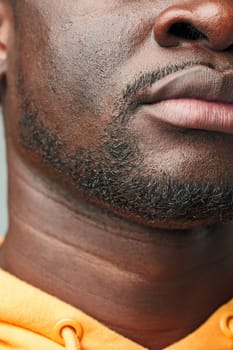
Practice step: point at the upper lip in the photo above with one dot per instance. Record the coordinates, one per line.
(198, 82)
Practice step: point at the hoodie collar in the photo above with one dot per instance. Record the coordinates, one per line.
(32, 319)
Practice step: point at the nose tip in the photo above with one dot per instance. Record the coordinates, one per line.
(208, 22)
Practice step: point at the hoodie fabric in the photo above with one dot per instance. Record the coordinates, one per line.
(33, 320)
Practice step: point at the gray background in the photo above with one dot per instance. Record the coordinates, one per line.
(3, 186)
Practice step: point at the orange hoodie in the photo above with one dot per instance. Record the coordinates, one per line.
(32, 319)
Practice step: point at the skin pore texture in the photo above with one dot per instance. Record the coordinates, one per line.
(122, 215)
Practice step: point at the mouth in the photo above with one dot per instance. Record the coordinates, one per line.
(195, 98)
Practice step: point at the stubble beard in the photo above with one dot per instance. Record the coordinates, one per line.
(114, 175)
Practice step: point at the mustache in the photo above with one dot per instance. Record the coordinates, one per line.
(132, 97)
(131, 94)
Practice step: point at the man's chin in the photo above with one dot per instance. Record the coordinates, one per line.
(162, 203)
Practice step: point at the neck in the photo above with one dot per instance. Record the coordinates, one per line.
(152, 286)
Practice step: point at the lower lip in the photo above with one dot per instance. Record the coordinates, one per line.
(193, 114)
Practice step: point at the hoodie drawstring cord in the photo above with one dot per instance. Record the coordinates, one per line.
(70, 338)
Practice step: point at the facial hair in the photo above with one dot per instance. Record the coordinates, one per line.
(113, 175)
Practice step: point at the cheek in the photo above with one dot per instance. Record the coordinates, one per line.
(64, 87)
(68, 84)
(90, 51)
(74, 62)
(87, 57)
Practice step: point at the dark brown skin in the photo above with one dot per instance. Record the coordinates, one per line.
(152, 275)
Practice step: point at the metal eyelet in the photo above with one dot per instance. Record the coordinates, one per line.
(68, 322)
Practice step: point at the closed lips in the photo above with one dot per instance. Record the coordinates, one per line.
(198, 97)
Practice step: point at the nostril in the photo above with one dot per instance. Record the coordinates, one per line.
(186, 31)
(229, 48)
